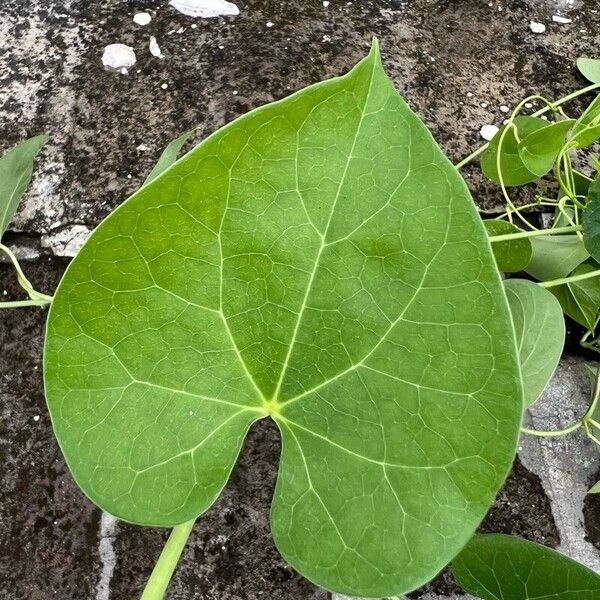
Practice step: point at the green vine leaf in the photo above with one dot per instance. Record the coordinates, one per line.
(503, 567)
(514, 171)
(540, 149)
(511, 256)
(585, 130)
(318, 261)
(589, 68)
(16, 168)
(590, 221)
(555, 256)
(169, 156)
(540, 331)
(581, 299)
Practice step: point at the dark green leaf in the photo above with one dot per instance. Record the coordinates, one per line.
(16, 168)
(588, 120)
(555, 256)
(540, 330)
(514, 172)
(540, 149)
(317, 261)
(591, 221)
(503, 567)
(581, 299)
(511, 256)
(168, 156)
(589, 68)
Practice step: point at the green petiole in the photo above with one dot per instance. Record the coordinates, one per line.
(528, 234)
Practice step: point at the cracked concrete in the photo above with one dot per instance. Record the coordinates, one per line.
(458, 63)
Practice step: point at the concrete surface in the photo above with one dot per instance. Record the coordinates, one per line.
(456, 61)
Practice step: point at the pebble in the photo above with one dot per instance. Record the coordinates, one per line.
(119, 57)
(561, 20)
(537, 27)
(487, 132)
(504, 108)
(142, 18)
(155, 48)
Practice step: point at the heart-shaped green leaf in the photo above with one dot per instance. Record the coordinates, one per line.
(511, 256)
(503, 567)
(540, 330)
(514, 171)
(581, 299)
(540, 149)
(591, 220)
(589, 68)
(555, 256)
(16, 168)
(321, 262)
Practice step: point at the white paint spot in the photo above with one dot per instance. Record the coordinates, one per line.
(270, 24)
(118, 57)
(142, 148)
(326, 38)
(561, 20)
(155, 48)
(487, 132)
(504, 108)
(36, 418)
(537, 27)
(142, 18)
(108, 558)
(326, 3)
(164, 86)
(205, 8)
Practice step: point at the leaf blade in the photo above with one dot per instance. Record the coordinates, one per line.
(168, 156)
(16, 168)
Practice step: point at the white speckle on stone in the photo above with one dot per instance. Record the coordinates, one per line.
(528, 105)
(469, 94)
(270, 24)
(561, 20)
(142, 18)
(487, 132)
(67, 241)
(504, 108)
(118, 57)
(164, 86)
(205, 8)
(537, 27)
(326, 38)
(326, 3)
(155, 48)
(235, 92)
(36, 418)
(142, 148)
(483, 104)
(108, 557)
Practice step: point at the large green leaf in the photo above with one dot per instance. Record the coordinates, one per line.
(513, 170)
(503, 567)
(511, 256)
(321, 262)
(581, 299)
(540, 149)
(540, 330)
(589, 68)
(16, 167)
(591, 220)
(555, 256)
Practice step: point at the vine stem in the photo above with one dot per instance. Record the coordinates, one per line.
(23, 281)
(167, 562)
(22, 303)
(505, 237)
(555, 282)
(554, 432)
(542, 111)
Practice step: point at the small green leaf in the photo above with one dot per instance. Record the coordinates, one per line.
(555, 256)
(581, 299)
(504, 567)
(514, 172)
(595, 489)
(540, 330)
(511, 256)
(590, 220)
(586, 136)
(168, 156)
(318, 261)
(585, 127)
(589, 68)
(539, 149)
(16, 168)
